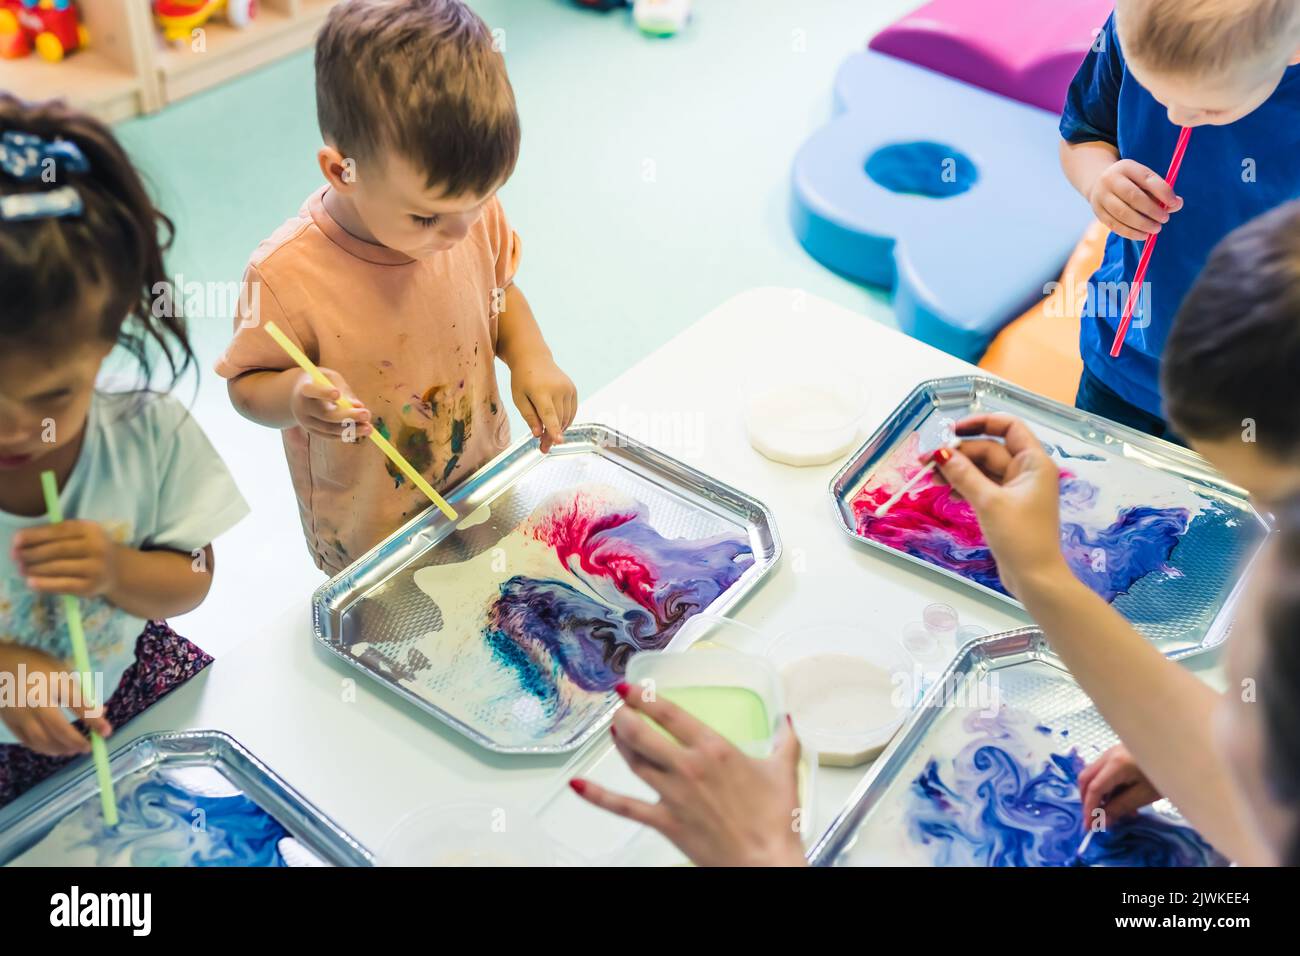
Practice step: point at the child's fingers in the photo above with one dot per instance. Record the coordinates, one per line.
(333, 412)
(79, 569)
(1161, 192)
(56, 550)
(77, 587)
(1107, 780)
(550, 419)
(1091, 770)
(1127, 216)
(99, 725)
(1121, 230)
(1140, 199)
(571, 403)
(321, 393)
(52, 734)
(651, 815)
(1128, 800)
(530, 417)
(48, 534)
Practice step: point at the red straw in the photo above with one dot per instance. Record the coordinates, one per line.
(1139, 277)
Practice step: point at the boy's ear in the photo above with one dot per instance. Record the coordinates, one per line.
(339, 171)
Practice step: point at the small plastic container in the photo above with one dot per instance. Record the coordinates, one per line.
(470, 833)
(847, 689)
(941, 620)
(738, 695)
(811, 417)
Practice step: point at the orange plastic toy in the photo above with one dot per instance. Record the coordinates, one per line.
(1040, 350)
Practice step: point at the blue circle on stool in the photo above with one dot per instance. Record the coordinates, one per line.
(925, 169)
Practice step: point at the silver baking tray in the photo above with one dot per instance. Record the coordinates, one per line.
(1015, 669)
(376, 603)
(1180, 615)
(28, 819)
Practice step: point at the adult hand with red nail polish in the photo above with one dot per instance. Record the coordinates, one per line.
(1015, 488)
(718, 805)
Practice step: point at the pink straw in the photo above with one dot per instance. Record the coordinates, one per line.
(1139, 277)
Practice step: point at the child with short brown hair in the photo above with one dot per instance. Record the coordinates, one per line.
(397, 278)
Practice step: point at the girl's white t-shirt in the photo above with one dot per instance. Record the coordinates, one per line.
(151, 478)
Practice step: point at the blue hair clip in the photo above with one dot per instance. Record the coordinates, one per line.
(27, 158)
(60, 203)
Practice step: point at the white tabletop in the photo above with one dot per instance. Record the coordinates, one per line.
(366, 758)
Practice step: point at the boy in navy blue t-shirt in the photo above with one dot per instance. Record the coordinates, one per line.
(1230, 69)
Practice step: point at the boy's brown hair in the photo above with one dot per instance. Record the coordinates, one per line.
(1193, 37)
(423, 78)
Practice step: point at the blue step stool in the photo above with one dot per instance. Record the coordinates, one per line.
(949, 195)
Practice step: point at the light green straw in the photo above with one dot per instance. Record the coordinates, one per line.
(80, 657)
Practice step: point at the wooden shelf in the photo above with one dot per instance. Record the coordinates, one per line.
(228, 52)
(87, 78)
(130, 69)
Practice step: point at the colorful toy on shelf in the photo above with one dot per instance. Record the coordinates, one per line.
(661, 18)
(51, 27)
(949, 195)
(1026, 50)
(180, 18)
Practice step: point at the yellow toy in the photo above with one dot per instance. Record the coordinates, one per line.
(180, 18)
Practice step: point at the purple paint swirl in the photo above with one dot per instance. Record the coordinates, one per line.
(634, 589)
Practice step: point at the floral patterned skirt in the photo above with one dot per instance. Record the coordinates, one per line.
(163, 661)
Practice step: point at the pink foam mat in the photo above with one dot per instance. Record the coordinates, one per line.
(1027, 50)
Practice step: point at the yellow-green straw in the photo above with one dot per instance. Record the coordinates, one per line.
(81, 659)
(395, 456)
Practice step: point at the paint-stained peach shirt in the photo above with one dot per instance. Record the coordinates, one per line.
(416, 341)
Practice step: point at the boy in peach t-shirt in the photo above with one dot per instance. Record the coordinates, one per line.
(396, 278)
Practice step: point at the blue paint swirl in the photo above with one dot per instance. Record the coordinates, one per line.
(163, 824)
(997, 811)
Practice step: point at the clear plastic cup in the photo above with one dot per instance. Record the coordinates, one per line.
(738, 695)
(847, 689)
(941, 620)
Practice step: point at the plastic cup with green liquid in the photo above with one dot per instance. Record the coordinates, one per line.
(738, 695)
